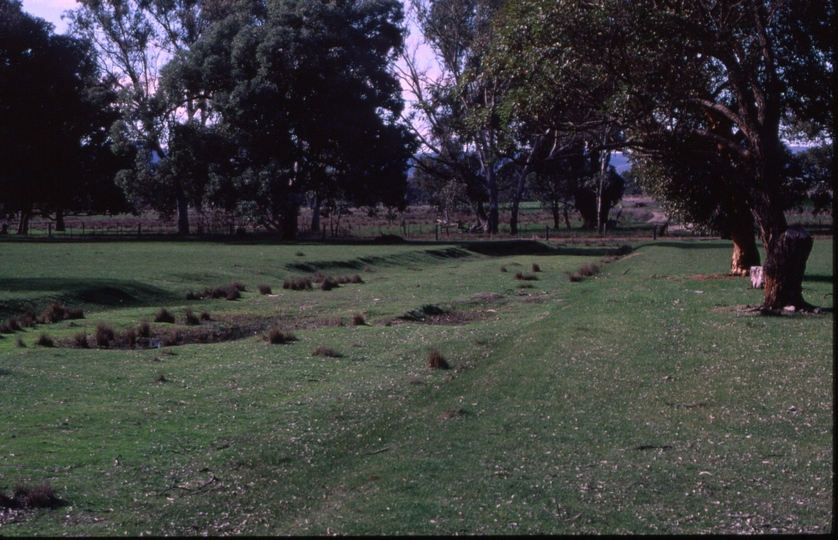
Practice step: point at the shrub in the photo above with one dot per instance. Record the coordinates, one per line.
(326, 351)
(45, 341)
(436, 361)
(358, 320)
(278, 337)
(191, 319)
(144, 329)
(104, 335)
(80, 341)
(163, 316)
(536, 267)
(264, 289)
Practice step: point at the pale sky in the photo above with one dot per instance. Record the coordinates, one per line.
(50, 10)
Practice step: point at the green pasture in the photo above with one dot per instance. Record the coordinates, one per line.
(643, 399)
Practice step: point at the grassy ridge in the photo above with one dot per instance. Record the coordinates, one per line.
(636, 400)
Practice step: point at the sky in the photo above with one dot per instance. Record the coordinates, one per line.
(50, 10)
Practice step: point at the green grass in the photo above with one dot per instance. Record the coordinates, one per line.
(637, 400)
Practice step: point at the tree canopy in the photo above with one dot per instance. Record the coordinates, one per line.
(55, 115)
(728, 75)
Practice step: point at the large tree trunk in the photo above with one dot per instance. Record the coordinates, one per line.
(785, 265)
(315, 215)
(182, 214)
(494, 215)
(60, 226)
(745, 252)
(23, 224)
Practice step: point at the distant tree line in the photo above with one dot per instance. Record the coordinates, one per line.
(258, 107)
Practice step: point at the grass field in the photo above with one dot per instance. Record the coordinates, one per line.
(640, 399)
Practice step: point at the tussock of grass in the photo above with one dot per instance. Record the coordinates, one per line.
(190, 319)
(358, 320)
(144, 330)
(104, 335)
(44, 340)
(326, 351)
(129, 338)
(23, 496)
(278, 337)
(436, 361)
(80, 341)
(525, 277)
(164, 316)
(20, 342)
(264, 289)
(536, 267)
(56, 312)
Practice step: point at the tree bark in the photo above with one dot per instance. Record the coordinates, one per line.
(182, 214)
(494, 215)
(59, 220)
(784, 268)
(23, 224)
(745, 252)
(315, 215)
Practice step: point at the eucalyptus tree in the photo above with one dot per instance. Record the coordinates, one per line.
(456, 103)
(134, 39)
(729, 73)
(55, 112)
(306, 91)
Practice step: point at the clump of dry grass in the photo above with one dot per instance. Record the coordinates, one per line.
(160, 378)
(144, 330)
(205, 316)
(278, 337)
(44, 340)
(129, 338)
(525, 277)
(299, 284)
(326, 351)
(104, 335)
(503, 269)
(328, 284)
(56, 312)
(264, 289)
(238, 285)
(163, 316)
(356, 279)
(42, 496)
(191, 319)
(437, 361)
(536, 267)
(80, 341)
(171, 338)
(584, 271)
(20, 342)
(358, 320)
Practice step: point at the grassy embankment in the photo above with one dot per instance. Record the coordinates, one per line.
(635, 400)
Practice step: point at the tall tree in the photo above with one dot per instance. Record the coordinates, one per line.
(55, 112)
(307, 92)
(134, 40)
(456, 107)
(730, 73)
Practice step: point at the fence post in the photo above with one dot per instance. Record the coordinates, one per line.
(547, 232)
(436, 232)
(49, 226)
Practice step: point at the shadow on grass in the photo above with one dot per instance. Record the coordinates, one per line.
(819, 278)
(109, 293)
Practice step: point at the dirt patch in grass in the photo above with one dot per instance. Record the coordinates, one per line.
(705, 277)
(450, 318)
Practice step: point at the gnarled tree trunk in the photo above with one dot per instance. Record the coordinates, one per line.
(745, 252)
(784, 268)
